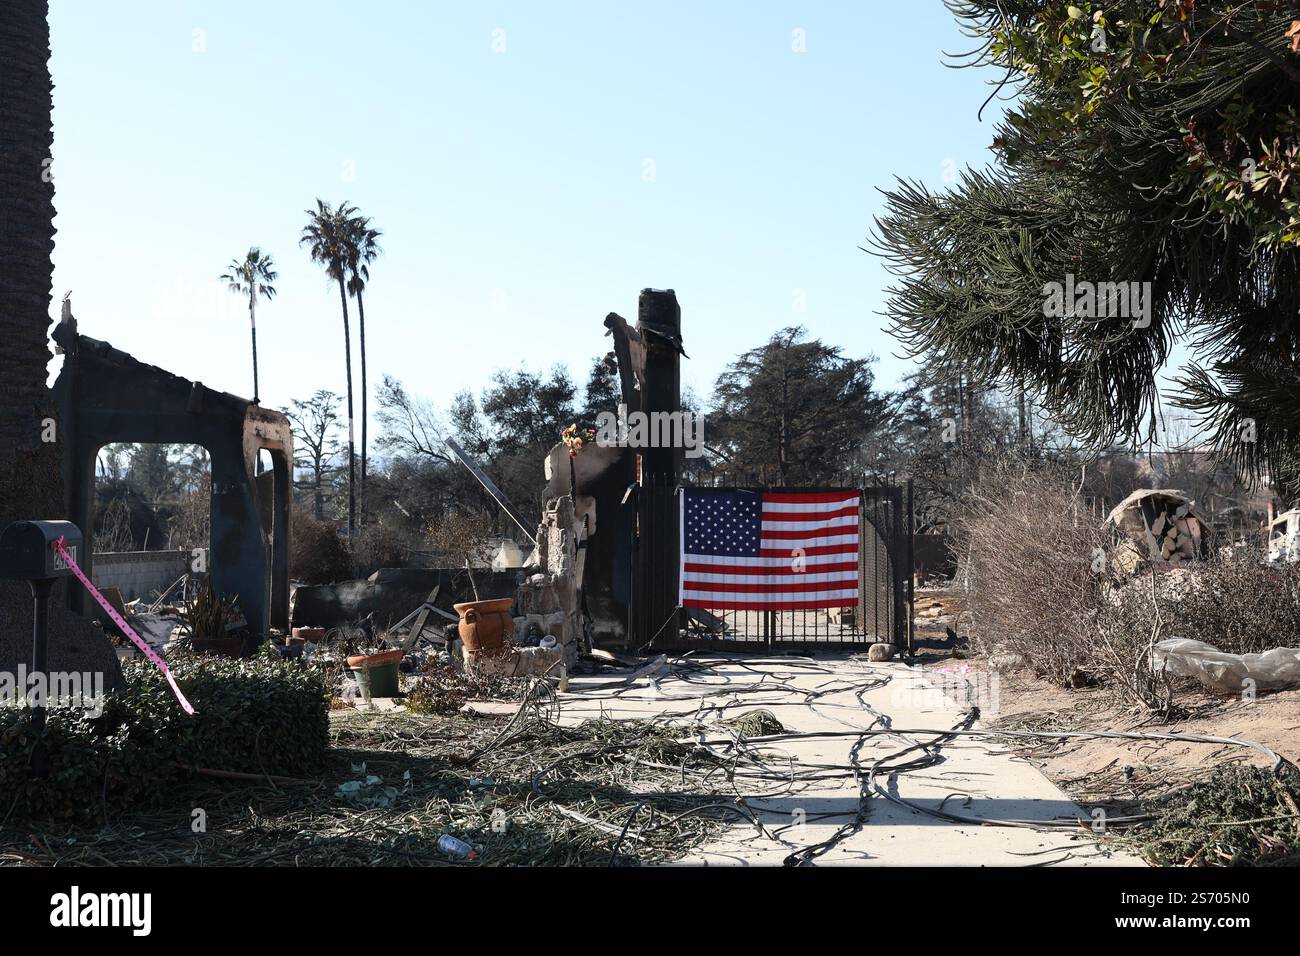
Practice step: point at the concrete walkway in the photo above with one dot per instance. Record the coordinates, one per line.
(976, 777)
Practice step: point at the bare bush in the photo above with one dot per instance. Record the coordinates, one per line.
(1239, 604)
(191, 525)
(114, 533)
(1029, 568)
(1129, 623)
(1036, 567)
(317, 553)
(461, 539)
(382, 545)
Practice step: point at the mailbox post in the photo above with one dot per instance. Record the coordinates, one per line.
(27, 553)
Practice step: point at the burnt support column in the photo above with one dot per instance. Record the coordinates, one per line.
(659, 323)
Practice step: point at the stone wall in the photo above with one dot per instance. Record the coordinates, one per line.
(139, 574)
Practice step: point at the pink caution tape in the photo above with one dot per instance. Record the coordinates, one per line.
(61, 547)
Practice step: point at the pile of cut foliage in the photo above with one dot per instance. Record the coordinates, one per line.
(1238, 816)
(523, 790)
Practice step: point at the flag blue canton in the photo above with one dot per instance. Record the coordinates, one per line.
(726, 523)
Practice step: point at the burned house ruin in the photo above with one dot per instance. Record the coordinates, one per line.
(104, 396)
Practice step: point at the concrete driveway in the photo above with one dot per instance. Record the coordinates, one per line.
(809, 792)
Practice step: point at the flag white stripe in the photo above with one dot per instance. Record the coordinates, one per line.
(845, 521)
(806, 578)
(809, 561)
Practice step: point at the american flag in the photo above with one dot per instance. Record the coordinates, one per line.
(769, 551)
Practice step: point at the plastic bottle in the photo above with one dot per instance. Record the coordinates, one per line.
(456, 848)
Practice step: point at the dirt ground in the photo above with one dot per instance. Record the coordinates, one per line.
(1116, 773)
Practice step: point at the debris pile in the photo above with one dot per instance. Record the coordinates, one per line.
(189, 614)
(1284, 537)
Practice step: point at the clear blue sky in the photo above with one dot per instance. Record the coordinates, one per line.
(510, 185)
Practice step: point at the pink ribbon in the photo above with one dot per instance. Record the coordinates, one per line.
(61, 547)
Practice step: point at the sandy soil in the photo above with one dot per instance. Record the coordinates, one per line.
(1114, 773)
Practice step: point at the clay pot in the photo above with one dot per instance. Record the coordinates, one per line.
(376, 674)
(485, 624)
(359, 661)
(312, 634)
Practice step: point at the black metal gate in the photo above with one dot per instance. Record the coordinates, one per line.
(882, 614)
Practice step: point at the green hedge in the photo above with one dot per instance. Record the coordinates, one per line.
(254, 715)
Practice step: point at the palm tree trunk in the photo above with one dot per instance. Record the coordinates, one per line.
(365, 393)
(352, 459)
(31, 483)
(252, 324)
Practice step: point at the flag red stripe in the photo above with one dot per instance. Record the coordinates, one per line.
(804, 534)
(809, 515)
(775, 587)
(810, 497)
(849, 548)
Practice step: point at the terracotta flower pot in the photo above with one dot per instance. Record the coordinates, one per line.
(359, 661)
(313, 634)
(485, 624)
(376, 674)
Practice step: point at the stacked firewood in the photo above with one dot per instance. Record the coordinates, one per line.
(1158, 526)
(1175, 534)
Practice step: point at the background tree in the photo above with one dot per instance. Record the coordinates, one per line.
(156, 496)
(604, 391)
(252, 277)
(523, 416)
(315, 422)
(364, 247)
(420, 465)
(794, 411)
(942, 430)
(508, 431)
(150, 471)
(1150, 142)
(329, 236)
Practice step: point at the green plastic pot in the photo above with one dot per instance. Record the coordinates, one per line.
(376, 674)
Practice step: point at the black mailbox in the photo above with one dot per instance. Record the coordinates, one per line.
(27, 550)
(27, 554)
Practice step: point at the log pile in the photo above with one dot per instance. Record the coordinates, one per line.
(1157, 526)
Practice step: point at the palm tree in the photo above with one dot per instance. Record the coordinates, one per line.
(253, 278)
(365, 249)
(328, 236)
(31, 485)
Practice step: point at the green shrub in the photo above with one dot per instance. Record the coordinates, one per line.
(92, 761)
(256, 715)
